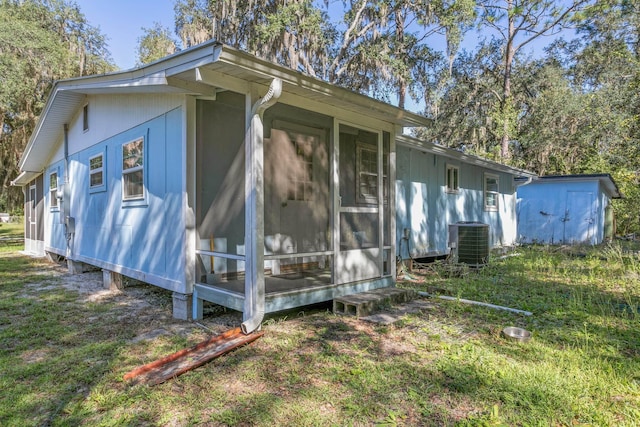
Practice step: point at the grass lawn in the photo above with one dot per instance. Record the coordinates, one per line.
(65, 346)
(11, 236)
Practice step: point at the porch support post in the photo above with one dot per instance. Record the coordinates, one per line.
(254, 292)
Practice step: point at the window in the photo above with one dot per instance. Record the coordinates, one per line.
(491, 192)
(301, 186)
(452, 179)
(53, 190)
(85, 117)
(133, 170)
(96, 171)
(367, 177)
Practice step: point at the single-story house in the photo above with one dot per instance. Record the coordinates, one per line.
(226, 178)
(567, 209)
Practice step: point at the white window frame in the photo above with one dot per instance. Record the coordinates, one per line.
(301, 185)
(101, 170)
(488, 206)
(370, 199)
(85, 117)
(137, 168)
(53, 191)
(452, 179)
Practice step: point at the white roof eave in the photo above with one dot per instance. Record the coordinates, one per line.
(24, 178)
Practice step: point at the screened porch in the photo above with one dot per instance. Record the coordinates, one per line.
(323, 197)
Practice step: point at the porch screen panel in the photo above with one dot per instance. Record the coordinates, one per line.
(297, 211)
(220, 175)
(358, 230)
(359, 192)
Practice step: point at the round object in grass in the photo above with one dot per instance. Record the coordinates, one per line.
(516, 334)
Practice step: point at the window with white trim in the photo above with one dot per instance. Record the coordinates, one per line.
(133, 170)
(53, 190)
(491, 193)
(85, 117)
(96, 171)
(367, 176)
(453, 173)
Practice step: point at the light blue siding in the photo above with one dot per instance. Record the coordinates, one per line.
(144, 238)
(426, 208)
(557, 212)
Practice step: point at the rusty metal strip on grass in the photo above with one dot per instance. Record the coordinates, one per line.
(182, 361)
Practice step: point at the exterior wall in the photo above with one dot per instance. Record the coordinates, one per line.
(424, 206)
(143, 238)
(558, 212)
(110, 115)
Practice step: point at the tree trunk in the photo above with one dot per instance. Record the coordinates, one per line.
(505, 153)
(400, 54)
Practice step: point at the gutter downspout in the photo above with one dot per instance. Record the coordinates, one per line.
(254, 292)
(528, 181)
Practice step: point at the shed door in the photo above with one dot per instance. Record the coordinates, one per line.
(579, 219)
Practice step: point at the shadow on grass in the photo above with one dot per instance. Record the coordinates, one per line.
(58, 345)
(65, 361)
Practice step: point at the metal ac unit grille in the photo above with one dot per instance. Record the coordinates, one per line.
(471, 242)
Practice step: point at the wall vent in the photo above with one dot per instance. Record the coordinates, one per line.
(470, 242)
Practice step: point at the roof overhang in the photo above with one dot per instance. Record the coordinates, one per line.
(429, 147)
(201, 71)
(24, 178)
(606, 181)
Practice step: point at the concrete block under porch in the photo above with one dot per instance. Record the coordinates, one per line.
(365, 303)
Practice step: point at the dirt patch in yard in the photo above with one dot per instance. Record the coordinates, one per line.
(148, 306)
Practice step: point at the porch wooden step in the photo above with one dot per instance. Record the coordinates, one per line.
(365, 303)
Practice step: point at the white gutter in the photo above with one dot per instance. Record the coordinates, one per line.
(254, 292)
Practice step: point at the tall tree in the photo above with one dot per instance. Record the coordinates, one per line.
(463, 110)
(607, 69)
(378, 47)
(518, 23)
(156, 43)
(40, 42)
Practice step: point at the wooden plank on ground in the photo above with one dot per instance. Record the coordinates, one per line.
(182, 361)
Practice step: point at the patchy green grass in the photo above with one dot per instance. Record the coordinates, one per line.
(11, 235)
(64, 352)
